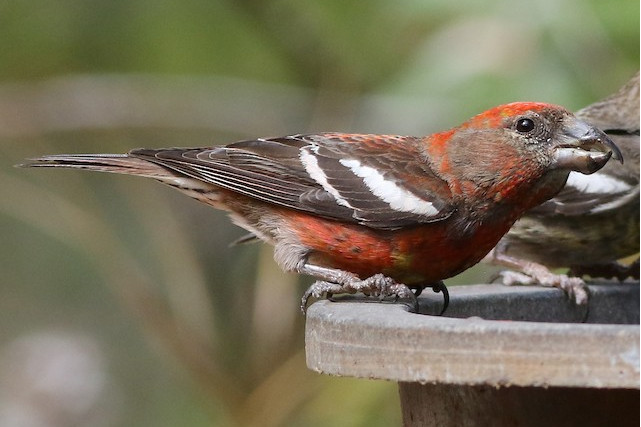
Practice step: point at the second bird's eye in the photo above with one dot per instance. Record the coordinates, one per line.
(525, 125)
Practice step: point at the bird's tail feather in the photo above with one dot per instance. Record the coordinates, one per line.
(114, 163)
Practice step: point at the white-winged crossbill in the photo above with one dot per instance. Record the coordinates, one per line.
(379, 214)
(593, 221)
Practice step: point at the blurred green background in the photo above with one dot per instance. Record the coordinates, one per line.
(121, 302)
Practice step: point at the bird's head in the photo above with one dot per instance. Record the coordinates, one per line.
(559, 139)
(522, 151)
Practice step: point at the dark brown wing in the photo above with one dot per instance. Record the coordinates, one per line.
(382, 182)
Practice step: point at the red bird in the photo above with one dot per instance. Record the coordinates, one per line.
(379, 214)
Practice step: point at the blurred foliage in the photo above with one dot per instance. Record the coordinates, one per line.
(193, 332)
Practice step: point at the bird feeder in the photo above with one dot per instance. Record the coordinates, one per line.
(499, 356)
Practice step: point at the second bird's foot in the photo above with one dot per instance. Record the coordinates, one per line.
(574, 287)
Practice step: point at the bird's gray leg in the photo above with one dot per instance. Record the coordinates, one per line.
(335, 281)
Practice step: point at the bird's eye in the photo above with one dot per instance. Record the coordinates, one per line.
(525, 125)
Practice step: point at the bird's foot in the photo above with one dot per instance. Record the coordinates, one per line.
(436, 287)
(574, 287)
(377, 285)
(613, 270)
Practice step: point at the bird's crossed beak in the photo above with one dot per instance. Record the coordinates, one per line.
(584, 148)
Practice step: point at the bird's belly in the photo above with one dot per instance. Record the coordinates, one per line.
(425, 253)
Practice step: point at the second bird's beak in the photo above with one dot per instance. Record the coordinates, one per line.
(584, 148)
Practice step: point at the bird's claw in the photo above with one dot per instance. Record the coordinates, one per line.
(377, 285)
(440, 287)
(436, 287)
(574, 287)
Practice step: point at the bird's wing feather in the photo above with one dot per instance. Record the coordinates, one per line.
(380, 182)
(590, 194)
